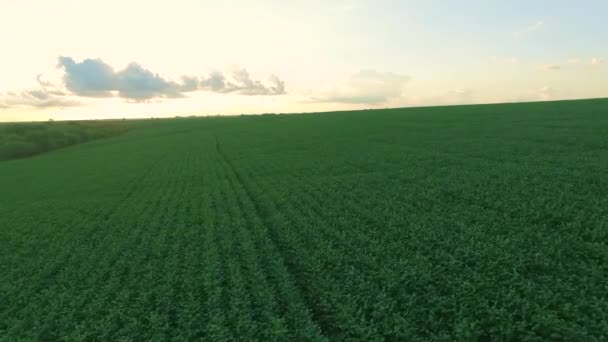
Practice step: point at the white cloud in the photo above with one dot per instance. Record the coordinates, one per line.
(46, 95)
(364, 87)
(37, 98)
(95, 78)
(597, 61)
(545, 93)
(574, 61)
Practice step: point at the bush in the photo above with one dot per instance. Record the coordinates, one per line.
(26, 139)
(17, 149)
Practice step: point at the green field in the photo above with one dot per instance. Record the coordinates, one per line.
(462, 223)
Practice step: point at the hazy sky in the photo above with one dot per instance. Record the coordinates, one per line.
(66, 59)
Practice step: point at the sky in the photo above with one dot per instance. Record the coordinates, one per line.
(69, 59)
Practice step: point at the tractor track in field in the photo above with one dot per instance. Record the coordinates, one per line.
(290, 266)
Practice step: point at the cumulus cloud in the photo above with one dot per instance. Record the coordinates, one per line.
(242, 77)
(365, 87)
(95, 78)
(89, 78)
(277, 86)
(189, 84)
(215, 82)
(136, 83)
(247, 86)
(242, 83)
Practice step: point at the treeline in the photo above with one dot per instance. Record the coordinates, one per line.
(19, 140)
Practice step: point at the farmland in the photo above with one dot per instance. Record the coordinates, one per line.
(484, 222)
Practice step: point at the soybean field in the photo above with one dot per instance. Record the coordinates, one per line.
(466, 223)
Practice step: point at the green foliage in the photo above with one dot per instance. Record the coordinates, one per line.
(19, 140)
(470, 223)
